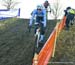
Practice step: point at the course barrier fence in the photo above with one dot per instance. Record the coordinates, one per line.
(48, 49)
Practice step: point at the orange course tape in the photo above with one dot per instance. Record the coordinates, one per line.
(47, 50)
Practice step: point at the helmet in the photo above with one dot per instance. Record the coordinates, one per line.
(39, 6)
(46, 1)
(68, 8)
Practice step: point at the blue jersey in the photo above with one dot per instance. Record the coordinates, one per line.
(40, 16)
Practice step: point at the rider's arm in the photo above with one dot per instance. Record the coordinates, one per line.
(44, 11)
(32, 17)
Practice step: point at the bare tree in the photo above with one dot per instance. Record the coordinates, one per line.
(57, 9)
(9, 4)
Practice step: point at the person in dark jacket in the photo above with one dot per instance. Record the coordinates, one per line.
(69, 13)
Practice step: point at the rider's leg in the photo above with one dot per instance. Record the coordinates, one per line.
(36, 27)
(42, 31)
(41, 37)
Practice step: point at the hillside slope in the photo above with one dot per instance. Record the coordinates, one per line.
(65, 48)
(16, 43)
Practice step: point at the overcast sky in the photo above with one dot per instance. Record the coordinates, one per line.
(28, 5)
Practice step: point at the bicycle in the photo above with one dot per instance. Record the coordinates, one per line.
(37, 36)
(37, 39)
(38, 42)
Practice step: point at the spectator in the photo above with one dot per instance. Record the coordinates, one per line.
(69, 13)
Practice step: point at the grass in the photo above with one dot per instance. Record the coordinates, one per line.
(65, 48)
(16, 43)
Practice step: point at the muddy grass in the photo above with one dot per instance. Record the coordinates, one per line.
(65, 48)
(16, 43)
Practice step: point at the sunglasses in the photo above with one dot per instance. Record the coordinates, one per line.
(39, 9)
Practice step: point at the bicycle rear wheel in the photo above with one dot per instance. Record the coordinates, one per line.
(36, 44)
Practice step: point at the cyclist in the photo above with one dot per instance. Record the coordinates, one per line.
(46, 5)
(40, 14)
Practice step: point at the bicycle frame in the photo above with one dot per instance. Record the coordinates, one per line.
(37, 37)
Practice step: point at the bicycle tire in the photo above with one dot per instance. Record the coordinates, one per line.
(35, 49)
(36, 44)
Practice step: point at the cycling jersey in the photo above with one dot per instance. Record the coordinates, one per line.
(40, 17)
